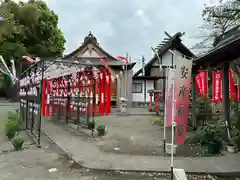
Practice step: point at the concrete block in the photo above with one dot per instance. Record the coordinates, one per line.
(179, 174)
(169, 148)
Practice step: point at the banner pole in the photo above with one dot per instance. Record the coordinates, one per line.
(165, 109)
(173, 125)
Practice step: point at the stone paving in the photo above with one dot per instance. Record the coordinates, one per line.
(138, 135)
(48, 162)
(36, 162)
(45, 163)
(85, 152)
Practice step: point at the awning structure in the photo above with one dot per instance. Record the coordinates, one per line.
(54, 69)
(227, 51)
(147, 77)
(221, 57)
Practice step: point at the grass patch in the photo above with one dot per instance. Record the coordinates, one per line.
(99, 121)
(158, 120)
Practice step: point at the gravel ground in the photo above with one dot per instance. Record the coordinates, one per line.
(50, 163)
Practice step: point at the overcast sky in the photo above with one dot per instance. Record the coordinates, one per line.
(131, 26)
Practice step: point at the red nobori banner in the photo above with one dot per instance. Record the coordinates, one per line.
(169, 99)
(217, 87)
(238, 91)
(182, 92)
(232, 89)
(202, 83)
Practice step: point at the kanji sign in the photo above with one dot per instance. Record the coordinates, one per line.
(179, 129)
(184, 72)
(182, 91)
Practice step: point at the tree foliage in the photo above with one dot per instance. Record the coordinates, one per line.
(217, 21)
(222, 17)
(29, 29)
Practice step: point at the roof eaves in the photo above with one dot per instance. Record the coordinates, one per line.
(104, 52)
(198, 59)
(160, 52)
(76, 50)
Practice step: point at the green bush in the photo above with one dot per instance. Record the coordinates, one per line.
(91, 125)
(101, 129)
(12, 115)
(159, 122)
(17, 143)
(12, 125)
(235, 131)
(210, 132)
(203, 110)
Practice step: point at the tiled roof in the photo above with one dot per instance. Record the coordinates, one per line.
(170, 44)
(90, 38)
(228, 46)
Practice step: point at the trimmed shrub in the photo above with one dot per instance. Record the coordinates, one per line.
(17, 143)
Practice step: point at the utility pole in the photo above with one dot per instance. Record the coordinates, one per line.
(126, 76)
(143, 64)
(126, 85)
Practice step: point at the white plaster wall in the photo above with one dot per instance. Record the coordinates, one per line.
(149, 86)
(167, 59)
(139, 97)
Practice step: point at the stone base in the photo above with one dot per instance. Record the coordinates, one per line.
(83, 130)
(169, 148)
(179, 174)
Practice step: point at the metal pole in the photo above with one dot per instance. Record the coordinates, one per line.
(40, 108)
(173, 125)
(165, 109)
(143, 64)
(126, 79)
(225, 91)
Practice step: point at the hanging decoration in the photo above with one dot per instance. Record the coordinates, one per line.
(5, 70)
(217, 86)
(121, 58)
(202, 83)
(232, 89)
(29, 59)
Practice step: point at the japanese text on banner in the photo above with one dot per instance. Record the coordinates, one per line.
(182, 87)
(202, 83)
(217, 87)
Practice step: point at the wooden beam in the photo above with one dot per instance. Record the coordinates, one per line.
(194, 95)
(225, 94)
(168, 35)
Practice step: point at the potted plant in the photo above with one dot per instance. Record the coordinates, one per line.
(12, 126)
(101, 129)
(209, 139)
(17, 143)
(231, 147)
(91, 125)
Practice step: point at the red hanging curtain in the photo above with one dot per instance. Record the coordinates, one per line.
(232, 89)
(217, 87)
(202, 83)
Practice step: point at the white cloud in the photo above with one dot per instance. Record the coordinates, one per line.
(128, 25)
(139, 12)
